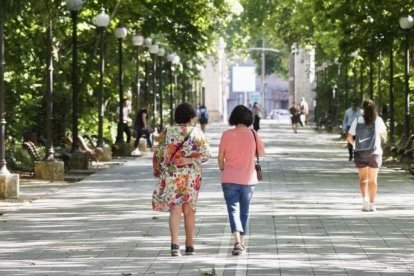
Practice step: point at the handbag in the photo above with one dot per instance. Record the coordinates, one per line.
(257, 165)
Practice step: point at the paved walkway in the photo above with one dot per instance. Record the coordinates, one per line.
(306, 220)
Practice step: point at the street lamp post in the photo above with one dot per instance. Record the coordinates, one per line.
(153, 49)
(392, 94)
(170, 59)
(263, 75)
(294, 51)
(74, 6)
(147, 42)
(9, 183)
(3, 167)
(101, 21)
(50, 153)
(137, 41)
(120, 33)
(160, 54)
(406, 23)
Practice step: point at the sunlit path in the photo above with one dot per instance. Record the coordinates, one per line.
(306, 220)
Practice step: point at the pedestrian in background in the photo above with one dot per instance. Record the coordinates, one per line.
(236, 160)
(125, 122)
(177, 163)
(141, 126)
(257, 115)
(350, 115)
(368, 162)
(203, 117)
(294, 116)
(304, 111)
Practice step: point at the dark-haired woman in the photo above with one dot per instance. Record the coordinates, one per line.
(257, 115)
(236, 161)
(368, 163)
(141, 126)
(182, 149)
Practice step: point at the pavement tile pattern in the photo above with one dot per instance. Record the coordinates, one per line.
(306, 219)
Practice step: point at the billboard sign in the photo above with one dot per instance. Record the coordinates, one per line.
(243, 79)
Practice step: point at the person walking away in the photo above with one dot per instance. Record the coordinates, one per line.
(203, 117)
(294, 116)
(257, 115)
(368, 130)
(177, 163)
(304, 111)
(236, 161)
(350, 114)
(126, 120)
(141, 126)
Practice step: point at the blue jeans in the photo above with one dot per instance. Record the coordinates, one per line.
(238, 202)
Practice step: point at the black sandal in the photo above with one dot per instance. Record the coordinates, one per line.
(175, 250)
(189, 250)
(237, 249)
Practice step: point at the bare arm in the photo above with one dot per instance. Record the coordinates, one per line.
(144, 119)
(221, 160)
(350, 138)
(260, 146)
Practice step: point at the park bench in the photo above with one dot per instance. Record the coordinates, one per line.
(36, 156)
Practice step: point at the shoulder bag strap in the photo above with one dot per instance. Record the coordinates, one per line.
(255, 141)
(181, 144)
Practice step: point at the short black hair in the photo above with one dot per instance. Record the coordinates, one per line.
(241, 115)
(184, 113)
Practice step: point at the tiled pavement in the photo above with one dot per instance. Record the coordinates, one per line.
(305, 220)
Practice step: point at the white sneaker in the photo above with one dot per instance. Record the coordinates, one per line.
(372, 207)
(136, 152)
(365, 206)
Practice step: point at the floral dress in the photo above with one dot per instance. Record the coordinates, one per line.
(179, 184)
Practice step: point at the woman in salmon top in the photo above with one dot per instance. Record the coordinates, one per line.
(236, 161)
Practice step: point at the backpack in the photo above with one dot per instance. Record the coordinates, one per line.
(365, 137)
(203, 119)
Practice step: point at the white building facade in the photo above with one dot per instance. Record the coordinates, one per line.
(302, 76)
(216, 84)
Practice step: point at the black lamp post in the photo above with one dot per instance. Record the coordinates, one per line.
(137, 41)
(148, 43)
(101, 21)
(160, 54)
(294, 51)
(171, 58)
(50, 153)
(177, 67)
(406, 23)
(392, 94)
(153, 49)
(120, 33)
(74, 6)
(3, 167)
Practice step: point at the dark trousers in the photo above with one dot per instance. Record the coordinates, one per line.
(127, 130)
(139, 133)
(351, 151)
(256, 123)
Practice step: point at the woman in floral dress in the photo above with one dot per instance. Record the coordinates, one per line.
(177, 163)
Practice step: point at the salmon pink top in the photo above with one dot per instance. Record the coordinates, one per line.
(239, 150)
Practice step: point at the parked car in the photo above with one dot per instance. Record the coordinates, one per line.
(280, 115)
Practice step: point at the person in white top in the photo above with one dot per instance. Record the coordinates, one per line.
(368, 163)
(304, 111)
(126, 120)
(350, 114)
